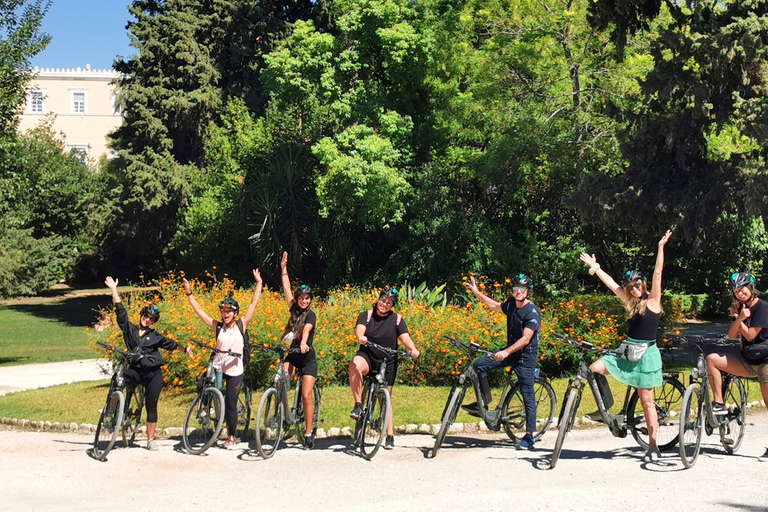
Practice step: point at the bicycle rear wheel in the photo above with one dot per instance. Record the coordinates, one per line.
(375, 425)
(455, 398)
(204, 421)
(565, 424)
(691, 423)
(109, 425)
(668, 399)
(513, 410)
(300, 418)
(244, 403)
(269, 423)
(735, 398)
(132, 419)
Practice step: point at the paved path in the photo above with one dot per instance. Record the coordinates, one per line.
(32, 376)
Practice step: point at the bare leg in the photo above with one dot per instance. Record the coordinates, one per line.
(391, 424)
(358, 368)
(151, 427)
(307, 395)
(598, 367)
(717, 363)
(651, 416)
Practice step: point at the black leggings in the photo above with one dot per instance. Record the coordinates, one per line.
(230, 401)
(153, 382)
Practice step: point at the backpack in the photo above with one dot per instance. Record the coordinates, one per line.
(246, 340)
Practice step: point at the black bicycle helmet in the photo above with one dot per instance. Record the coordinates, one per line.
(739, 279)
(151, 311)
(303, 290)
(522, 280)
(392, 293)
(632, 275)
(231, 303)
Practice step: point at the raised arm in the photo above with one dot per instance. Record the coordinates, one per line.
(594, 269)
(207, 320)
(489, 302)
(255, 299)
(112, 285)
(655, 294)
(286, 280)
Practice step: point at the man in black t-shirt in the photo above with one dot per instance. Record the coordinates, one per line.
(521, 353)
(382, 326)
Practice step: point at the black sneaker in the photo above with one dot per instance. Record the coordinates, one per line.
(719, 409)
(472, 409)
(356, 411)
(309, 441)
(764, 457)
(594, 416)
(389, 443)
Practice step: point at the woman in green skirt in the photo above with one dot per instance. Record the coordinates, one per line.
(640, 366)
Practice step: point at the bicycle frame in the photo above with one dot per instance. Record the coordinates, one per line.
(468, 378)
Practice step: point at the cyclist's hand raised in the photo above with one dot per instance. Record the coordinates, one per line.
(472, 284)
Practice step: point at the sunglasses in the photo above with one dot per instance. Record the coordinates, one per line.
(638, 286)
(386, 301)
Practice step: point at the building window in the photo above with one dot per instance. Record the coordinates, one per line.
(80, 151)
(36, 101)
(79, 99)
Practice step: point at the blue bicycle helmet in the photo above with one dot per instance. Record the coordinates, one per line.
(151, 311)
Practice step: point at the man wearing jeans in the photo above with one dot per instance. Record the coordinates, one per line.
(521, 353)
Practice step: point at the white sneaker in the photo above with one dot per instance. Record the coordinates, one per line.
(652, 455)
(152, 445)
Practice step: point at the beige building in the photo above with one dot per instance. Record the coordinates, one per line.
(82, 103)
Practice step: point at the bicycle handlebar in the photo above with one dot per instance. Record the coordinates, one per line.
(214, 349)
(699, 340)
(388, 352)
(470, 347)
(124, 354)
(279, 349)
(584, 346)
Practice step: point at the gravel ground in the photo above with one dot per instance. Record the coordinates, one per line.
(50, 471)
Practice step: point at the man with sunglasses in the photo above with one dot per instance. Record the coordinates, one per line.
(383, 327)
(521, 353)
(146, 370)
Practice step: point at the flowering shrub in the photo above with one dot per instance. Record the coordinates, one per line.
(599, 319)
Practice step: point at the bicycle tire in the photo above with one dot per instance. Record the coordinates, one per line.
(134, 406)
(735, 398)
(269, 423)
(513, 410)
(244, 408)
(204, 421)
(567, 419)
(110, 422)
(375, 425)
(300, 420)
(668, 399)
(449, 416)
(691, 425)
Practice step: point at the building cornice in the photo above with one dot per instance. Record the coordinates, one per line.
(87, 72)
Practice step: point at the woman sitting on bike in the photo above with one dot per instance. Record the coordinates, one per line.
(300, 331)
(751, 324)
(521, 353)
(146, 371)
(230, 335)
(383, 327)
(643, 310)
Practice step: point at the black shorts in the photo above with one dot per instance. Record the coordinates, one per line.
(375, 364)
(306, 364)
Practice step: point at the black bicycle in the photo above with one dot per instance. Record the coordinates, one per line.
(668, 399)
(371, 424)
(697, 415)
(275, 412)
(119, 414)
(205, 417)
(510, 411)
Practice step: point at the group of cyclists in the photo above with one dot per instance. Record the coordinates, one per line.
(639, 364)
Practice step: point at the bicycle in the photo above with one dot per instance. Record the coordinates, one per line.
(205, 417)
(510, 411)
(371, 424)
(667, 398)
(697, 407)
(118, 414)
(275, 412)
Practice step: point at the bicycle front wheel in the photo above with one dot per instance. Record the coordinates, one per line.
(204, 421)
(132, 419)
(565, 424)
(513, 410)
(375, 425)
(109, 425)
(735, 398)
(691, 423)
(449, 416)
(668, 400)
(244, 402)
(269, 423)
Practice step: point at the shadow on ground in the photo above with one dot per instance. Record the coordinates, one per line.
(75, 311)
